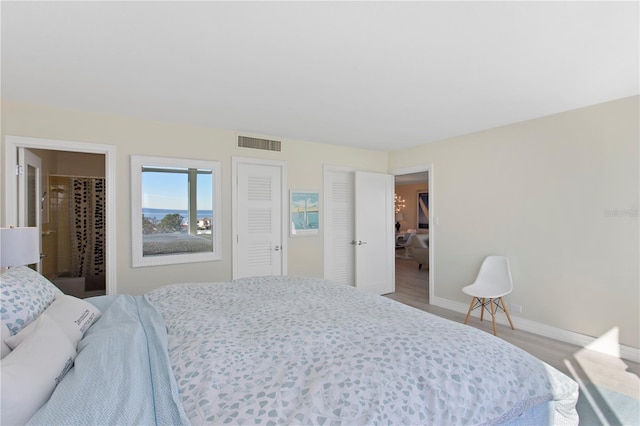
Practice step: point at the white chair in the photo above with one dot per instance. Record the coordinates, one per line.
(493, 282)
(407, 243)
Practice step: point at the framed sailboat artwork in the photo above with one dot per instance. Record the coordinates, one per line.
(304, 212)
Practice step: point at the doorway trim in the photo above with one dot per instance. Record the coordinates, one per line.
(10, 197)
(432, 218)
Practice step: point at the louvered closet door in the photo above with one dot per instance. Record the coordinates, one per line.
(259, 230)
(359, 238)
(339, 251)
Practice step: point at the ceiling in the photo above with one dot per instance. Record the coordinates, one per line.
(378, 75)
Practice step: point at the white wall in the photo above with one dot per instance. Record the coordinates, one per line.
(559, 196)
(142, 137)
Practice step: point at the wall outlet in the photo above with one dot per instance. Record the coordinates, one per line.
(515, 308)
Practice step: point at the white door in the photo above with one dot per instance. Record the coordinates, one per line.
(259, 248)
(374, 232)
(29, 192)
(359, 237)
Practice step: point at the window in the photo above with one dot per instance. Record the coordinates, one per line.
(175, 210)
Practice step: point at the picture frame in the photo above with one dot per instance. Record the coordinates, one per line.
(304, 212)
(423, 210)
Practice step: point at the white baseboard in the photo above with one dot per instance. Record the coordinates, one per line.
(582, 340)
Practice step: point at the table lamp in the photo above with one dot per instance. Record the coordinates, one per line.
(19, 246)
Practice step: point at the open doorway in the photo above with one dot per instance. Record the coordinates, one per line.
(412, 238)
(101, 166)
(73, 221)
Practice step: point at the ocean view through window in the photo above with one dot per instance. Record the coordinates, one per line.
(177, 204)
(158, 214)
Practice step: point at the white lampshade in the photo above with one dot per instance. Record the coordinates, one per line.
(399, 217)
(19, 246)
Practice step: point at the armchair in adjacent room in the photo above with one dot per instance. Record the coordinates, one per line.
(421, 250)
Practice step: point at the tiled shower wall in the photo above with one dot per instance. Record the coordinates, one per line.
(58, 233)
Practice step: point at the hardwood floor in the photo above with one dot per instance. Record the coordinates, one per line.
(597, 373)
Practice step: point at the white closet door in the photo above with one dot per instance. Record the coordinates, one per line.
(339, 218)
(259, 215)
(359, 232)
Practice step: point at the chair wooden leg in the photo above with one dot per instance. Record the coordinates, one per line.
(482, 310)
(493, 316)
(473, 299)
(506, 311)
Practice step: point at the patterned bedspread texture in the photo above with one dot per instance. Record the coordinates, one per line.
(278, 350)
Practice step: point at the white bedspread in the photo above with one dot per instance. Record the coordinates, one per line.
(304, 351)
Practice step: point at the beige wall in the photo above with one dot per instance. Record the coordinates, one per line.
(142, 137)
(80, 164)
(410, 195)
(559, 196)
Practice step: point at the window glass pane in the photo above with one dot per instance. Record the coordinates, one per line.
(166, 210)
(165, 201)
(205, 201)
(176, 206)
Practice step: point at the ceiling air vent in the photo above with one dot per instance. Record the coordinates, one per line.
(255, 143)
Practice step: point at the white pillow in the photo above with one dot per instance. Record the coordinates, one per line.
(73, 315)
(6, 333)
(31, 372)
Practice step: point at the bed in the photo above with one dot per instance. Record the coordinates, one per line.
(284, 350)
(172, 243)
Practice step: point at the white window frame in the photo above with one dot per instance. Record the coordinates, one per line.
(137, 257)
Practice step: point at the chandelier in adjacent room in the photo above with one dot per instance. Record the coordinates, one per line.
(399, 202)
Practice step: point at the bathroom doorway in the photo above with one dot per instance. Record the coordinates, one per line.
(66, 159)
(73, 221)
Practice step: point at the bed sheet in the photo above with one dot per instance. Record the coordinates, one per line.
(121, 374)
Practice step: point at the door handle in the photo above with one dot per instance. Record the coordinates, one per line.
(361, 242)
(276, 248)
(353, 242)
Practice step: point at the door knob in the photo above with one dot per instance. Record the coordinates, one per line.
(276, 248)
(361, 242)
